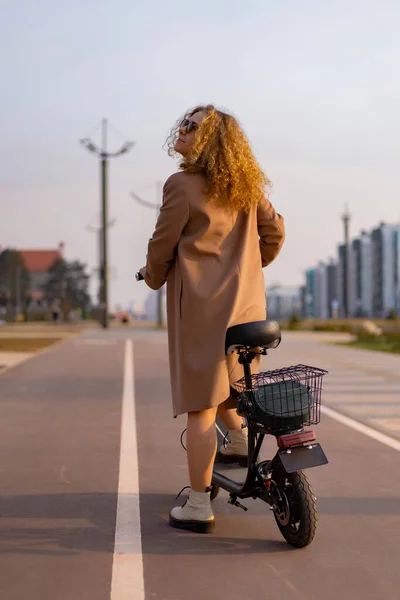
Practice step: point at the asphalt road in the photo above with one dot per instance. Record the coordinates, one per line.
(62, 464)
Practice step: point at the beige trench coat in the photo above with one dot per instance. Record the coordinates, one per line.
(212, 262)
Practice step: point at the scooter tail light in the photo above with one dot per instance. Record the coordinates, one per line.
(296, 439)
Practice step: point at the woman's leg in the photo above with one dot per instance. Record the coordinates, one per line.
(229, 417)
(201, 445)
(237, 448)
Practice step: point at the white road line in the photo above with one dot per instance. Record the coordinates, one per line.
(372, 433)
(127, 573)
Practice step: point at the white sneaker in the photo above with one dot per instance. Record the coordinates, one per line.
(195, 515)
(236, 450)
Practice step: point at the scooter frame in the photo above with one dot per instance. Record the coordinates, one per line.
(258, 477)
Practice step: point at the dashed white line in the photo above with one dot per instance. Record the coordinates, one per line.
(127, 572)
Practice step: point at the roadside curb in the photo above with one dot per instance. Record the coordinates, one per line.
(37, 353)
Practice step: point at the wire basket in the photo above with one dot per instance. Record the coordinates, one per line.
(285, 399)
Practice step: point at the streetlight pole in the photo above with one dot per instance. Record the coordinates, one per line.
(104, 156)
(154, 206)
(346, 263)
(99, 232)
(18, 291)
(104, 218)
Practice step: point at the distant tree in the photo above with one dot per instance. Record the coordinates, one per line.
(69, 283)
(78, 284)
(392, 315)
(14, 278)
(294, 321)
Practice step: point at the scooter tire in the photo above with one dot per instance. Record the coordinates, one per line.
(299, 531)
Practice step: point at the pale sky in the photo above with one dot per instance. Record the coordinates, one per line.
(315, 84)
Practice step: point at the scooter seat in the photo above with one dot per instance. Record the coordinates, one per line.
(265, 334)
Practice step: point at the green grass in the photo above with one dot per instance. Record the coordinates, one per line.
(18, 344)
(338, 325)
(390, 342)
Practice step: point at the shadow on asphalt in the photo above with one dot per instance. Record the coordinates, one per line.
(31, 525)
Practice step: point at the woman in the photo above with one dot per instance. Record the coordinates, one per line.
(215, 232)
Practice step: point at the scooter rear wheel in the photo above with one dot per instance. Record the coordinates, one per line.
(296, 515)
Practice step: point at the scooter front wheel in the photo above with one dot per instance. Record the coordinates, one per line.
(296, 511)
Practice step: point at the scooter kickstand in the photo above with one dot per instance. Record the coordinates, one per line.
(234, 501)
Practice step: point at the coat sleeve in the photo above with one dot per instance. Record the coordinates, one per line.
(161, 251)
(271, 229)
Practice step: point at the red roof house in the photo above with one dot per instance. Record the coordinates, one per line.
(39, 261)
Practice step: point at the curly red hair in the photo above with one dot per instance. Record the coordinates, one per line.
(223, 154)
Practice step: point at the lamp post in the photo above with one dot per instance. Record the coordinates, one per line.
(346, 262)
(154, 206)
(99, 232)
(104, 156)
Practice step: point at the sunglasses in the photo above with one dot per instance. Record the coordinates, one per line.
(188, 125)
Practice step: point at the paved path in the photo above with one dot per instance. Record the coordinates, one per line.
(60, 434)
(11, 359)
(362, 384)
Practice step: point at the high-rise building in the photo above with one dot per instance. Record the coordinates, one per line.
(303, 302)
(151, 306)
(372, 288)
(361, 276)
(283, 302)
(341, 280)
(321, 292)
(310, 293)
(396, 264)
(384, 262)
(332, 288)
